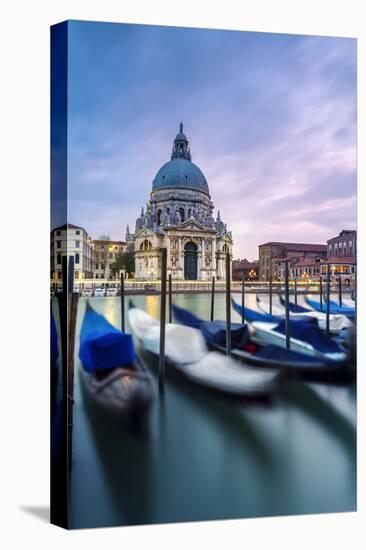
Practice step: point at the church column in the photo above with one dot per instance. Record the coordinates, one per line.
(203, 263)
(168, 258)
(200, 263)
(213, 260)
(180, 259)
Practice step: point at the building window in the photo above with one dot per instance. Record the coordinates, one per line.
(59, 260)
(77, 244)
(76, 274)
(58, 232)
(77, 232)
(77, 258)
(58, 244)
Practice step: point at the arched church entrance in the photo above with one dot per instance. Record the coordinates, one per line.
(190, 261)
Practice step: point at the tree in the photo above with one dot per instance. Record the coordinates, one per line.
(125, 261)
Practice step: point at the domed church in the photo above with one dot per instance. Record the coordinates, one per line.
(179, 217)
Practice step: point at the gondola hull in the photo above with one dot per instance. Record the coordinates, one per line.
(112, 376)
(125, 396)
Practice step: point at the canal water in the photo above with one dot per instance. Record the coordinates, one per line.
(204, 458)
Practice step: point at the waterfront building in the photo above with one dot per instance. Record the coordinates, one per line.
(275, 253)
(341, 257)
(72, 240)
(343, 245)
(179, 217)
(306, 269)
(106, 252)
(244, 268)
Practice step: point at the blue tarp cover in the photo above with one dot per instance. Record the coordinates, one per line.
(252, 315)
(333, 307)
(214, 332)
(102, 346)
(294, 308)
(308, 331)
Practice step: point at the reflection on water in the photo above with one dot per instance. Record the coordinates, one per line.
(200, 457)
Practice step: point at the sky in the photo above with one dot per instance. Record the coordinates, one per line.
(271, 121)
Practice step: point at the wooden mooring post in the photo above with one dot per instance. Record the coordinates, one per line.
(340, 290)
(295, 293)
(162, 319)
(287, 308)
(228, 304)
(170, 298)
(242, 299)
(321, 293)
(270, 286)
(122, 302)
(68, 306)
(328, 299)
(212, 313)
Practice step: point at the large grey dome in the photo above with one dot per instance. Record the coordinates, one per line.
(180, 173)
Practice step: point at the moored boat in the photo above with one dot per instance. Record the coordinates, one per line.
(337, 321)
(188, 356)
(112, 375)
(334, 308)
(250, 350)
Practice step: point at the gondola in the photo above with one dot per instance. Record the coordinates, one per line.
(112, 375)
(337, 322)
(294, 308)
(334, 308)
(254, 352)
(188, 357)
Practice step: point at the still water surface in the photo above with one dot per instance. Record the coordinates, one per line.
(201, 457)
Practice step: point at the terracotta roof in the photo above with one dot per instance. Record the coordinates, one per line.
(341, 260)
(303, 262)
(299, 246)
